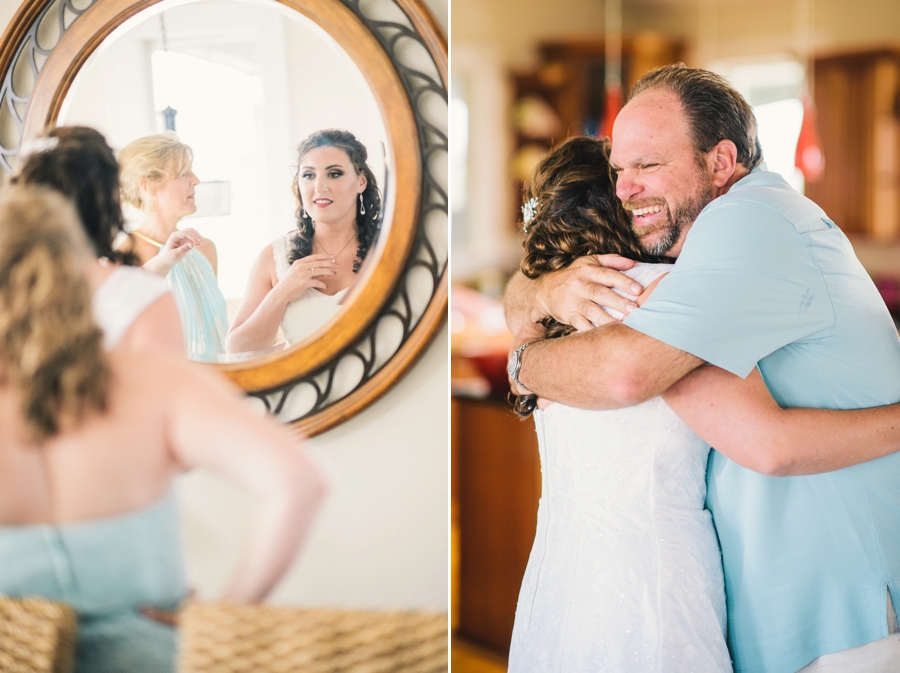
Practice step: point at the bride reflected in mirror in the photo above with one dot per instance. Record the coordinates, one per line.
(300, 280)
(158, 180)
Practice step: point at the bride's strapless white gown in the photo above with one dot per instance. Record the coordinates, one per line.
(625, 573)
(312, 309)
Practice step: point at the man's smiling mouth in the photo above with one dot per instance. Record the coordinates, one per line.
(648, 210)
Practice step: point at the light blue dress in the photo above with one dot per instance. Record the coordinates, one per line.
(201, 305)
(106, 569)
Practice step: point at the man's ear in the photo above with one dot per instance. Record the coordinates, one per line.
(722, 160)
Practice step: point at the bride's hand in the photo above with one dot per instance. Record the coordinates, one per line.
(307, 272)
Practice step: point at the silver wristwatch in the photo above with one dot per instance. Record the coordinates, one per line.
(515, 363)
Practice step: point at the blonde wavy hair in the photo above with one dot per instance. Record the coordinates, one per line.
(51, 352)
(155, 159)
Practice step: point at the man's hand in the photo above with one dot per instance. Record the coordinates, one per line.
(574, 295)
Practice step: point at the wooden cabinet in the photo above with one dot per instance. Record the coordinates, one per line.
(496, 486)
(858, 106)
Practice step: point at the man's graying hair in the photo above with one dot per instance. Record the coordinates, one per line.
(714, 109)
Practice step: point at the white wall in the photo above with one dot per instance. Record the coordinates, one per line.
(381, 540)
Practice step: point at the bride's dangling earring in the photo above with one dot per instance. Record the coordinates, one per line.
(304, 211)
(362, 211)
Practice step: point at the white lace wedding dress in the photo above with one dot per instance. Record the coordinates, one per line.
(625, 573)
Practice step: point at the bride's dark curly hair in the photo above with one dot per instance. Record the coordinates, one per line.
(77, 162)
(367, 224)
(575, 212)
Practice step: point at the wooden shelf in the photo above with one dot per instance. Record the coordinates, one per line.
(858, 106)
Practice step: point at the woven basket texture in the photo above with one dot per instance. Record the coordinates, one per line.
(227, 638)
(36, 636)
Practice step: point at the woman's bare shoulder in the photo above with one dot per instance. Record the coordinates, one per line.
(264, 266)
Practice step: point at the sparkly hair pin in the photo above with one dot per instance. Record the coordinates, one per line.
(529, 212)
(36, 145)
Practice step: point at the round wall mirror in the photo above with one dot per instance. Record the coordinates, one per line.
(243, 82)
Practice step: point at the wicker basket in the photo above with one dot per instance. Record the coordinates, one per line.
(227, 638)
(36, 636)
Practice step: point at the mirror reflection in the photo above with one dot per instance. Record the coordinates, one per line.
(234, 80)
(299, 281)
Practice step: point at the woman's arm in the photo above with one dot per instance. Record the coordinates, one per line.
(741, 420)
(259, 314)
(211, 427)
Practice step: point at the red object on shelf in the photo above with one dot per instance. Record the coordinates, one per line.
(808, 157)
(492, 366)
(611, 110)
(889, 287)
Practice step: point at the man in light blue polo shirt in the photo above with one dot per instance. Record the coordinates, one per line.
(763, 278)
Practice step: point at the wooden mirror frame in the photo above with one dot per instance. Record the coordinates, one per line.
(409, 88)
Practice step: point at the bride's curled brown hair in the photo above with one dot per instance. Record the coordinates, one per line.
(51, 352)
(571, 210)
(576, 211)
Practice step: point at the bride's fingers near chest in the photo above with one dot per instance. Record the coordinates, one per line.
(315, 258)
(319, 262)
(311, 270)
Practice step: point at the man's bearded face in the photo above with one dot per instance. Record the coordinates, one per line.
(661, 180)
(658, 226)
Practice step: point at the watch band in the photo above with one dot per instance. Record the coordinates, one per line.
(515, 364)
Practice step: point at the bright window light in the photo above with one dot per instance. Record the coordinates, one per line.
(219, 116)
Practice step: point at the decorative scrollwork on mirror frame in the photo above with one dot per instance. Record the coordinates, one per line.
(333, 384)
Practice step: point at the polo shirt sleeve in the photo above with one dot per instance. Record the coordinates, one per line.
(744, 286)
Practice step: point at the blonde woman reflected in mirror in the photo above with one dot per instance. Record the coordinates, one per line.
(90, 441)
(299, 281)
(134, 308)
(157, 179)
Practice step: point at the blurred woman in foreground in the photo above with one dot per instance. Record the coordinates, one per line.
(90, 442)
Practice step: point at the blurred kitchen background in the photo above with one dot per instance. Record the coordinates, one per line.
(824, 79)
